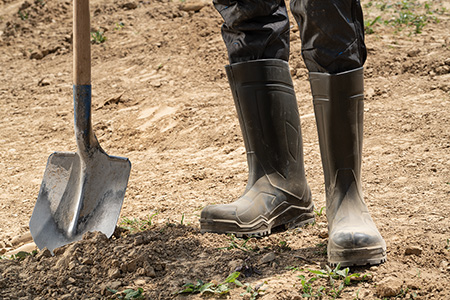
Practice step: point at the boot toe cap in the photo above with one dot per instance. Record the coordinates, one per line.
(219, 212)
(355, 238)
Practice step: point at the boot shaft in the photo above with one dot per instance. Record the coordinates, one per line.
(268, 115)
(339, 107)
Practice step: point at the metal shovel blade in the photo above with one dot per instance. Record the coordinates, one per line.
(77, 197)
(81, 191)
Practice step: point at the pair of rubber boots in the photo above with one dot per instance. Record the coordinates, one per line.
(277, 192)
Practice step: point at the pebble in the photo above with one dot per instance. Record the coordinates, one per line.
(413, 251)
(389, 287)
(267, 258)
(23, 239)
(192, 6)
(140, 282)
(444, 266)
(130, 5)
(113, 273)
(323, 233)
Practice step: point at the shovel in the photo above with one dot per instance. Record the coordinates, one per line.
(80, 191)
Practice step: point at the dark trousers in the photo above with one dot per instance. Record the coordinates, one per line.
(331, 32)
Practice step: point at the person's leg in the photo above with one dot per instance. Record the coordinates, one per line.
(257, 37)
(334, 54)
(332, 34)
(254, 29)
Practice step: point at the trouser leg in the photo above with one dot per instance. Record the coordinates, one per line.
(332, 34)
(254, 29)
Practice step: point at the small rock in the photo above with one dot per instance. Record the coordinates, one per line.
(323, 233)
(130, 5)
(66, 297)
(44, 82)
(37, 55)
(72, 265)
(192, 6)
(235, 264)
(99, 237)
(267, 258)
(23, 239)
(114, 273)
(413, 53)
(389, 287)
(373, 268)
(444, 266)
(413, 251)
(140, 282)
(71, 280)
(87, 261)
(2, 251)
(114, 285)
(62, 263)
(149, 270)
(138, 240)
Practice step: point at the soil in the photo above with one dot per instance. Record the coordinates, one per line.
(161, 98)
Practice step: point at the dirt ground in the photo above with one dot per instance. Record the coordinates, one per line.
(161, 98)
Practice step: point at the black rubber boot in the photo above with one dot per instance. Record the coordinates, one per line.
(277, 192)
(338, 105)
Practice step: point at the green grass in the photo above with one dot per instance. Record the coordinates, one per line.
(98, 37)
(128, 294)
(212, 288)
(335, 282)
(135, 224)
(404, 15)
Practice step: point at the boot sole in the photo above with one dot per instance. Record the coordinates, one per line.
(357, 257)
(292, 217)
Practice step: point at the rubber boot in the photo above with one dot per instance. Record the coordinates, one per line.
(338, 105)
(277, 192)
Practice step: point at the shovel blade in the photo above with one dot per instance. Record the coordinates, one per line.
(78, 196)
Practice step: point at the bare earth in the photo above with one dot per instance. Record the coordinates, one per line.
(161, 98)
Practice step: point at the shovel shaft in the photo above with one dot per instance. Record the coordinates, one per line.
(81, 43)
(86, 140)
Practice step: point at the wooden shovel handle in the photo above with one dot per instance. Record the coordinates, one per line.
(81, 43)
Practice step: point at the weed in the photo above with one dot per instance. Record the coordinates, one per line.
(368, 25)
(182, 219)
(284, 245)
(20, 255)
(119, 26)
(307, 288)
(97, 37)
(319, 212)
(334, 288)
(135, 224)
(211, 287)
(448, 245)
(254, 292)
(411, 14)
(23, 15)
(234, 245)
(128, 294)
(294, 269)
